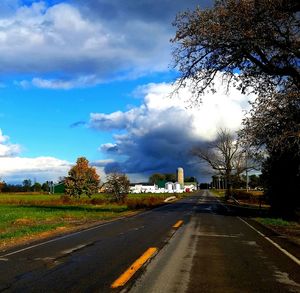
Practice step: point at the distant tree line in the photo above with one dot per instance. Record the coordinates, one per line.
(26, 186)
(170, 177)
(238, 182)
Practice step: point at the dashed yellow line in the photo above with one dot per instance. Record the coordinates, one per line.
(125, 277)
(178, 224)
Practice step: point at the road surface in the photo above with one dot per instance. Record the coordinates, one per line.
(212, 251)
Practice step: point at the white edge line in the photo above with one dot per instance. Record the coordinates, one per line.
(292, 257)
(56, 239)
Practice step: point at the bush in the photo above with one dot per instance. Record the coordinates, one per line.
(144, 203)
(241, 194)
(66, 199)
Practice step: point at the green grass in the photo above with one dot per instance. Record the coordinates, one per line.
(27, 231)
(29, 214)
(17, 221)
(218, 192)
(276, 222)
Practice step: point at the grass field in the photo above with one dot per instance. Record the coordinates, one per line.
(16, 221)
(23, 215)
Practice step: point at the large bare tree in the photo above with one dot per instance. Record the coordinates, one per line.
(254, 43)
(226, 157)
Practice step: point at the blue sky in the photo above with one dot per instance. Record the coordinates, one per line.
(93, 78)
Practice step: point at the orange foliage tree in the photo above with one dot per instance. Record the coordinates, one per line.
(82, 179)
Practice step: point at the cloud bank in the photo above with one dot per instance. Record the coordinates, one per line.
(159, 135)
(14, 168)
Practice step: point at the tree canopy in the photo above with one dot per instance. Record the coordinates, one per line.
(118, 185)
(82, 179)
(254, 43)
(274, 122)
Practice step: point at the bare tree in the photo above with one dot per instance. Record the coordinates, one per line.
(226, 156)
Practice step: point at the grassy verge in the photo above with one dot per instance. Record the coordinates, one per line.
(218, 192)
(18, 221)
(290, 229)
(26, 215)
(277, 222)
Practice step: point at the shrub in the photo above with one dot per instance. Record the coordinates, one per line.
(144, 203)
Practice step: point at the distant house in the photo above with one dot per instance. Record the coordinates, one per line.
(143, 187)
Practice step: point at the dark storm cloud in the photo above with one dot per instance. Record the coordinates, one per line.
(159, 135)
(163, 11)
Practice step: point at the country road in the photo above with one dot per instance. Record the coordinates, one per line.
(209, 249)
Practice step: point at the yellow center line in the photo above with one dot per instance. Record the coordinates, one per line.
(125, 277)
(178, 224)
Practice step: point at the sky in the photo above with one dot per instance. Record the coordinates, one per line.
(94, 78)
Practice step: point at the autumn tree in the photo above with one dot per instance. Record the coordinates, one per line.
(226, 157)
(117, 184)
(82, 179)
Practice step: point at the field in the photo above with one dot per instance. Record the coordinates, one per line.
(23, 216)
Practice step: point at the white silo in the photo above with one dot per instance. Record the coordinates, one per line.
(177, 187)
(180, 177)
(169, 187)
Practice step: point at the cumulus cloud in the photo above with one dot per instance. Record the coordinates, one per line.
(8, 149)
(109, 147)
(83, 43)
(159, 135)
(14, 168)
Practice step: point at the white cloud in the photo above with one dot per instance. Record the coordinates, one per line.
(80, 82)
(8, 149)
(108, 147)
(17, 169)
(158, 135)
(14, 168)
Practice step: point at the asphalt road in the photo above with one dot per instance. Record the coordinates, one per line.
(215, 250)
(219, 251)
(91, 260)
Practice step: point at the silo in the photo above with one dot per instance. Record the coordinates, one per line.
(180, 177)
(177, 187)
(169, 187)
